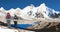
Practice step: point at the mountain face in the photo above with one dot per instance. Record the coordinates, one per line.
(47, 12)
(41, 11)
(32, 12)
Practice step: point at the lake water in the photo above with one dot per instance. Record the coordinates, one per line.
(21, 26)
(24, 26)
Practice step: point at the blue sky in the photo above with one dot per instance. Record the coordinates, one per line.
(8, 4)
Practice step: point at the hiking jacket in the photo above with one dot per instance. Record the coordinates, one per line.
(8, 16)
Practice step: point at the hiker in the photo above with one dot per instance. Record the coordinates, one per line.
(8, 17)
(15, 21)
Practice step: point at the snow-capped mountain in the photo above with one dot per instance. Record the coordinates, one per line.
(31, 12)
(2, 11)
(46, 11)
(14, 11)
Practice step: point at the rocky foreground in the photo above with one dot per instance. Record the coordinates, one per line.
(43, 26)
(50, 29)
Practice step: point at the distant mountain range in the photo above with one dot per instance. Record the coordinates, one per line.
(31, 12)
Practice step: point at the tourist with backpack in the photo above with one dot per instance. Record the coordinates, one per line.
(8, 17)
(15, 21)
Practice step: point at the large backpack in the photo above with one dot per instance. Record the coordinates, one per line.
(8, 16)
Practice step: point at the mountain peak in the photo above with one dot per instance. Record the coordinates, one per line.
(42, 7)
(18, 9)
(32, 5)
(2, 8)
(43, 4)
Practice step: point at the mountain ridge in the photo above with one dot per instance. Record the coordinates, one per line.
(31, 12)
